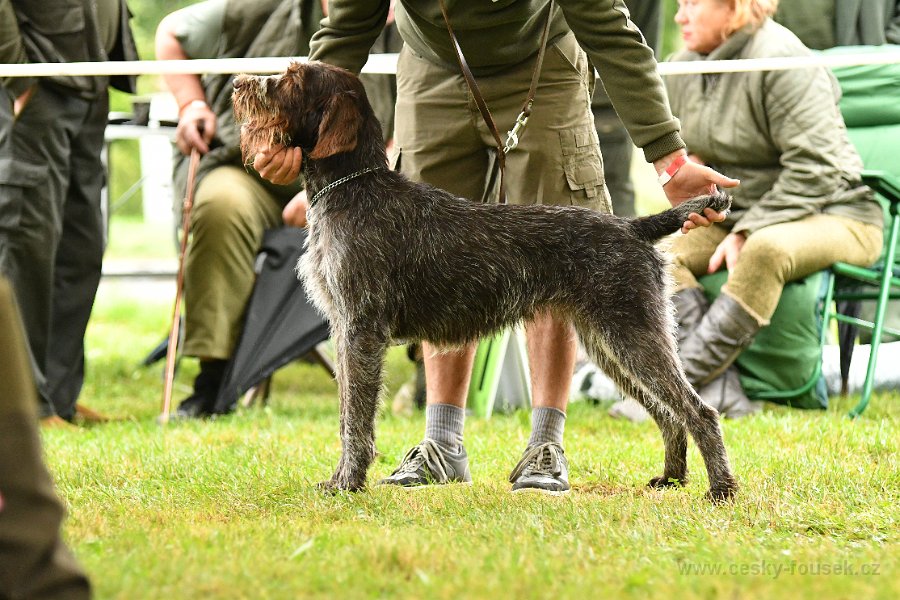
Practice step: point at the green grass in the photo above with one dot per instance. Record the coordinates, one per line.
(228, 508)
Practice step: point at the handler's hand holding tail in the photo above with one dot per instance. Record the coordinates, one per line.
(688, 180)
(280, 165)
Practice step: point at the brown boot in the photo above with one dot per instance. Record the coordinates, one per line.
(89, 416)
(56, 422)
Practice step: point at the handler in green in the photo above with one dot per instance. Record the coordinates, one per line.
(51, 135)
(440, 138)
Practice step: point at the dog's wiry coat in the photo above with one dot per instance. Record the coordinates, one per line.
(391, 259)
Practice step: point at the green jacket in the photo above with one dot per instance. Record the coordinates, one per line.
(251, 28)
(61, 31)
(498, 35)
(824, 24)
(780, 132)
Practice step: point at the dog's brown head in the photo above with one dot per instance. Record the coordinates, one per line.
(313, 105)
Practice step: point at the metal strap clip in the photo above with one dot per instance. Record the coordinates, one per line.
(512, 136)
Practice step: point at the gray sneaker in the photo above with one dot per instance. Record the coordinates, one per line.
(543, 468)
(430, 464)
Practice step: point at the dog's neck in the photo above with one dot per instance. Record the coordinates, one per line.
(368, 154)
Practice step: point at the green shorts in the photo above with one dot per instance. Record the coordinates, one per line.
(441, 138)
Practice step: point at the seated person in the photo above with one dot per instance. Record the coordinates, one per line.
(801, 205)
(233, 206)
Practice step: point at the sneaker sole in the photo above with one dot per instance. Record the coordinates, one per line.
(412, 488)
(540, 491)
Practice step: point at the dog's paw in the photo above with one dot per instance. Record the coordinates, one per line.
(664, 481)
(721, 493)
(333, 486)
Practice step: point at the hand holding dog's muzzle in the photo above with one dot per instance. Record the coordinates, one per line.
(280, 165)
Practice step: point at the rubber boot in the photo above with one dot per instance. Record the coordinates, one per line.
(206, 387)
(708, 351)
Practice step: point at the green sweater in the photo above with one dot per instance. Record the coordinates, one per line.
(498, 35)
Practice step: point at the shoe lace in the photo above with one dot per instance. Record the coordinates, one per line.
(429, 455)
(543, 459)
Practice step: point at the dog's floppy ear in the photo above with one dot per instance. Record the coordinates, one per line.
(339, 126)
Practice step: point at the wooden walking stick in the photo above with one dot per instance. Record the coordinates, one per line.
(172, 349)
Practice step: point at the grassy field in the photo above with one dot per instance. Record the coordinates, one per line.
(228, 509)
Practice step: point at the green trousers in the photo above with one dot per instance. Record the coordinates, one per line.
(775, 255)
(34, 562)
(231, 212)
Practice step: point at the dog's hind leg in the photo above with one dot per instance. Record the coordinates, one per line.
(359, 365)
(655, 366)
(672, 428)
(642, 344)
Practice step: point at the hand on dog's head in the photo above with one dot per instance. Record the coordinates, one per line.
(314, 106)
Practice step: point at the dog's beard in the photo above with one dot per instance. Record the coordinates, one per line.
(256, 138)
(263, 126)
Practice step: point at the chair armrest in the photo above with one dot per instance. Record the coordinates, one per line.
(884, 183)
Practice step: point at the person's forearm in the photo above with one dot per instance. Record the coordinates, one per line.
(348, 32)
(186, 88)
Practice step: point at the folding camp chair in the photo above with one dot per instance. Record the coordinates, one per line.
(880, 282)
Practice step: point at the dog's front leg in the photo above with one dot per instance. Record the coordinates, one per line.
(359, 363)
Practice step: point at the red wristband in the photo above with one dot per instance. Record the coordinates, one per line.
(667, 175)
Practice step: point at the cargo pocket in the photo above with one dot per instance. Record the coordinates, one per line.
(17, 182)
(584, 168)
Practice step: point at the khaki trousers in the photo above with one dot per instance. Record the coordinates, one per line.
(775, 255)
(231, 212)
(442, 139)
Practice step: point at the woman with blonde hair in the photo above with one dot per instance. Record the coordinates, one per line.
(801, 205)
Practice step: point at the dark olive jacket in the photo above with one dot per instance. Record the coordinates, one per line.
(52, 31)
(822, 24)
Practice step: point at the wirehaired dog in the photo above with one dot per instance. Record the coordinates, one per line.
(389, 259)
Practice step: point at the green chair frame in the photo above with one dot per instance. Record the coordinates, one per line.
(880, 282)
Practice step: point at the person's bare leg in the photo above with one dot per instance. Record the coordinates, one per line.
(440, 457)
(552, 349)
(447, 375)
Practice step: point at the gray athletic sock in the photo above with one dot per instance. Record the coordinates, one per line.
(547, 425)
(444, 424)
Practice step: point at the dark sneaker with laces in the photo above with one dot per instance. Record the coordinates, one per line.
(544, 469)
(430, 464)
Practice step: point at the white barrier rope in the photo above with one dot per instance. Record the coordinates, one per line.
(387, 64)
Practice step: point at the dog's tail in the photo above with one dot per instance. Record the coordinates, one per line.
(653, 227)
